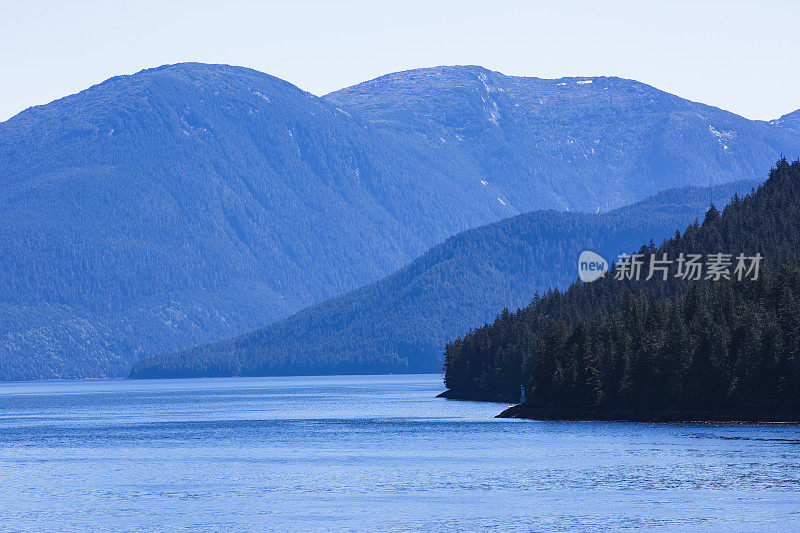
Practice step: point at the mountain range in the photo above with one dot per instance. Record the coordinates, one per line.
(191, 202)
(588, 144)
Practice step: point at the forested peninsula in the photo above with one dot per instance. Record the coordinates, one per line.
(675, 350)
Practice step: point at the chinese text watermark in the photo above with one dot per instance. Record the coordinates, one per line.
(687, 267)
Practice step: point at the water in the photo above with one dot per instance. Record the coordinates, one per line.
(366, 453)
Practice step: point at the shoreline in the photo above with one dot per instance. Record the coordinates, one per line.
(685, 415)
(674, 414)
(450, 394)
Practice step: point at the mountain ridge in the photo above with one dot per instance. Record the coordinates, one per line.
(790, 121)
(192, 202)
(402, 322)
(576, 132)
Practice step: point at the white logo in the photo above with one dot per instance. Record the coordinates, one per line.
(591, 266)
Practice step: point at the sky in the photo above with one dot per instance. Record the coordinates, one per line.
(740, 56)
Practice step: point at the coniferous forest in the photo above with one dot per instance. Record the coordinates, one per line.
(706, 349)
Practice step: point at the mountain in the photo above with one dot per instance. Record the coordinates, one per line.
(401, 323)
(584, 144)
(190, 203)
(789, 121)
(710, 349)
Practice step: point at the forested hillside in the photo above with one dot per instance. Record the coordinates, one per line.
(193, 202)
(401, 323)
(190, 203)
(624, 349)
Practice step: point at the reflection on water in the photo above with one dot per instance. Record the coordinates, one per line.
(367, 453)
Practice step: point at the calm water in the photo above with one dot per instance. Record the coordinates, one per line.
(367, 453)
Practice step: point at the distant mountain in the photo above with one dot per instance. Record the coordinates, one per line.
(192, 202)
(789, 121)
(571, 143)
(401, 323)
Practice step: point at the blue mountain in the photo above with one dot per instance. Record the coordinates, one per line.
(402, 323)
(570, 143)
(190, 203)
(789, 121)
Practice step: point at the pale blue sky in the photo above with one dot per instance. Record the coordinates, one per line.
(741, 56)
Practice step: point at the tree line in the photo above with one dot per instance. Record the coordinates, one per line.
(656, 344)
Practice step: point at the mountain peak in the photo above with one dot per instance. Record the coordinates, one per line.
(201, 71)
(465, 77)
(138, 90)
(452, 71)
